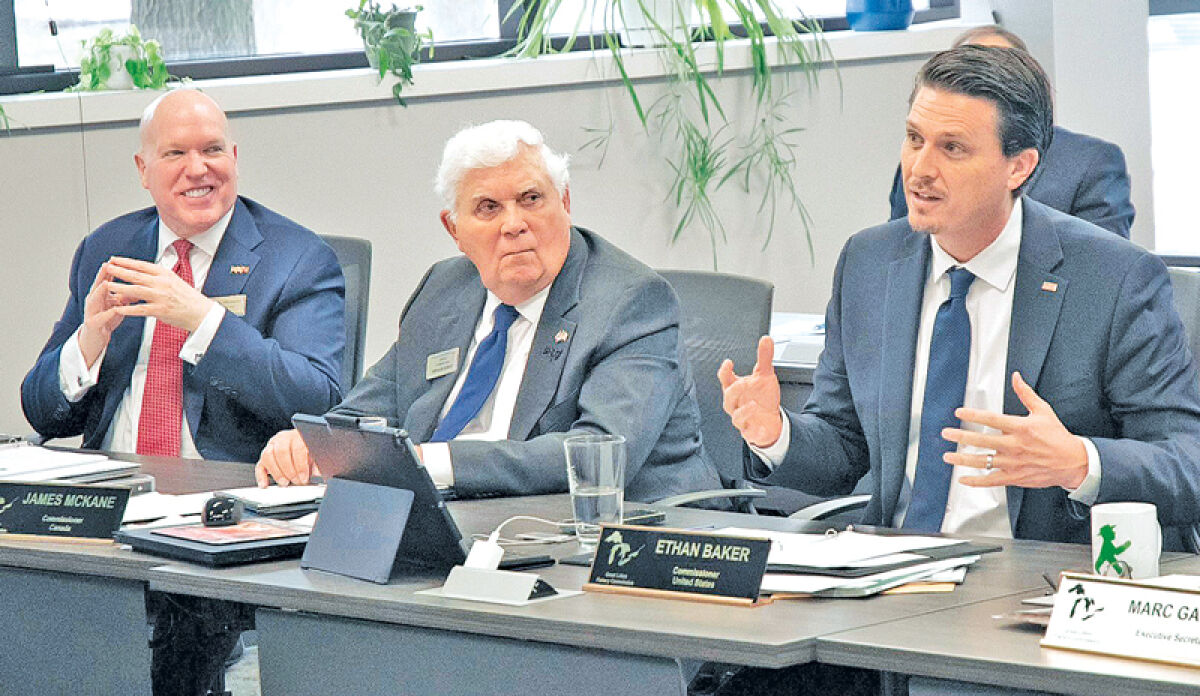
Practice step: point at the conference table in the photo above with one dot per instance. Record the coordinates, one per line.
(80, 611)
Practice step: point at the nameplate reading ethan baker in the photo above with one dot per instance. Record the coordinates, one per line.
(57, 510)
(676, 563)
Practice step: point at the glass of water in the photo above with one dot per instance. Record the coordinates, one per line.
(596, 473)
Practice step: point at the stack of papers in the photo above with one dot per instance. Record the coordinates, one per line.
(853, 564)
(278, 500)
(22, 461)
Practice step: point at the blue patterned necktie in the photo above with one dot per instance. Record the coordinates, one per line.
(481, 378)
(945, 387)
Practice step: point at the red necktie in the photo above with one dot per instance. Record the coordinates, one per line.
(161, 422)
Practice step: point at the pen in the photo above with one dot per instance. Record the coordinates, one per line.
(1050, 581)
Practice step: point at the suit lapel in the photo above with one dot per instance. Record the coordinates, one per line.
(905, 289)
(453, 328)
(236, 251)
(1037, 303)
(126, 340)
(551, 343)
(235, 259)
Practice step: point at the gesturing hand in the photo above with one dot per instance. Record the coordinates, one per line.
(158, 292)
(101, 316)
(752, 402)
(1033, 451)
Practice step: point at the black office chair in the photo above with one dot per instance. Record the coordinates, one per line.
(354, 256)
(1185, 286)
(723, 316)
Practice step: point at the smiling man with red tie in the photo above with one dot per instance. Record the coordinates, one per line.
(196, 327)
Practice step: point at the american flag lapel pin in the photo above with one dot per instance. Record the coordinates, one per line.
(1049, 286)
(239, 270)
(561, 336)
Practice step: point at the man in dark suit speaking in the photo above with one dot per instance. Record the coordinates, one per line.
(1078, 174)
(996, 365)
(539, 330)
(199, 326)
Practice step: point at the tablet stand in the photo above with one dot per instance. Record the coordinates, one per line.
(358, 530)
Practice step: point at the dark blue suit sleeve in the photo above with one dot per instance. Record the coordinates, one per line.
(827, 454)
(293, 366)
(1103, 196)
(46, 409)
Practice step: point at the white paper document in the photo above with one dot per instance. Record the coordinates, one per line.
(847, 549)
(155, 505)
(19, 459)
(863, 586)
(275, 496)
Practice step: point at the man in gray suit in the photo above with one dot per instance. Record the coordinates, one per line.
(563, 333)
(1078, 174)
(1059, 378)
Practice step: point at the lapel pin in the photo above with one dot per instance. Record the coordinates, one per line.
(561, 336)
(1049, 286)
(239, 270)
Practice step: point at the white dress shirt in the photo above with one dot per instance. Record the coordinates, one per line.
(495, 417)
(969, 510)
(76, 379)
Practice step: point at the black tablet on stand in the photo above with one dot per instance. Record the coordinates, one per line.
(381, 511)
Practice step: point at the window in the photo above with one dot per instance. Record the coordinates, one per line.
(190, 30)
(218, 38)
(1174, 55)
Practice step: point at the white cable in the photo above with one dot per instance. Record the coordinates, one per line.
(495, 537)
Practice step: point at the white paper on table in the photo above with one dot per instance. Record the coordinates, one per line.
(839, 550)
(812, 584)
(21, 458)
(154, 505)
(274, 496)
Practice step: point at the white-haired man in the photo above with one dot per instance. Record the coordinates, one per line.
(195, 327)
(539, 330)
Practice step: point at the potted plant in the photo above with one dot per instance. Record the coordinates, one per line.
(708, 151)
(391, 40)
(121, 62)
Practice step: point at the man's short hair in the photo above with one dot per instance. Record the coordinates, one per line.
(491, 145)
(1009, 78)
(971, 36)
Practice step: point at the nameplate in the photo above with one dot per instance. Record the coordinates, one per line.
(1128, 618)
(57, 510)
(232, 303)
(678, 563)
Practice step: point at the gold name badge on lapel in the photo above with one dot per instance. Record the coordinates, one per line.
(443, 363)
(233, 303)
(239, 270)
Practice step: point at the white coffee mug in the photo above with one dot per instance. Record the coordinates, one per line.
(1126, 540)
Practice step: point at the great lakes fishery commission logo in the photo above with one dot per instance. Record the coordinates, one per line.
(1109, 552)
(4, 506)
(620, 552)
(1084, 607)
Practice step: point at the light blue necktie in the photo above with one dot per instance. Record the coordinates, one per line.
(945, 387)
(481, 378)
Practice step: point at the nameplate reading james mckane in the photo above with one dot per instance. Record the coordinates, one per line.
(58, 510)
(675, 562)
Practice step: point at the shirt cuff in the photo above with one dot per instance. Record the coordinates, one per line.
(74, 377)
(1089, 490)
(773, 456)
(197, 344)
(436, 458)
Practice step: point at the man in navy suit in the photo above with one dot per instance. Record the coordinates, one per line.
(1078, 174)
(1075, 382)
(199, 326)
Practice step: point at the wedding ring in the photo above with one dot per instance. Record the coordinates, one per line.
(988, 465)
